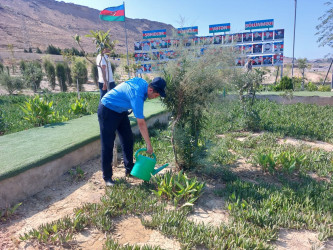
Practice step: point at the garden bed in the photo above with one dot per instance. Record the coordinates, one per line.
(41, 155)
(246, 203)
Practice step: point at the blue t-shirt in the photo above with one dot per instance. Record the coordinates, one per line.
(127, 95)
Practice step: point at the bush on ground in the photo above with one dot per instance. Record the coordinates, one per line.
(10, 83)
(50, 72)
(80, 72)
(33, 75)
(324, 88)
(61, 76)
(284, 84)
(311, 87)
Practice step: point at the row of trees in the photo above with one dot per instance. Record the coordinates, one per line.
(57, 51)
(32, 74)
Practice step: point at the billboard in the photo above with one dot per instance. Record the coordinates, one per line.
(262, 48)
(259, 24)
(214, 28)
(153, 34)
(188, 30)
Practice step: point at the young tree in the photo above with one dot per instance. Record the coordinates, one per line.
(94, 73)
(61, 76)
(325, 28)
(50, 72)
(80, 72)
(192, 84)
(10, 83)
(33, 75)
(302, 65)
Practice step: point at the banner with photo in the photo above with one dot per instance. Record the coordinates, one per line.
(188, 31)
(148, 34)
(279, 34)
(215, 28)
(278, 47)
(259, 24)
(263, 48)
(278, 59)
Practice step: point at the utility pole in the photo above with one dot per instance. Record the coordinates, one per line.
(292, 68)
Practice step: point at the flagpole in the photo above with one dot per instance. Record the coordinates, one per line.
(126, 41)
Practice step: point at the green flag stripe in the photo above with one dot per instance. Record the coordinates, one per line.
(112, 18)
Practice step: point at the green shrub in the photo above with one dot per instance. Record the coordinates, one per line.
(40, 112)
(22, 66)
(285, 83)
(311, 87)
(79, 107)
(324, 88)
(50, 72)
(61, 76)
(1, 67)
(80, 72)
(38, 51)
(33, 75)
(53, 50)
(68, 73)
(10, 83)
(94, 73)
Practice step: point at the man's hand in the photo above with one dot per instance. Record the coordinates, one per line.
(144, 132)
(104, 86)
(150, 149)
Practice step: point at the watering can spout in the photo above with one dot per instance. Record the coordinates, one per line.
(159, 169)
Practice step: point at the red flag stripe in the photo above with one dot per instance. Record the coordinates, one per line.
(113, 13)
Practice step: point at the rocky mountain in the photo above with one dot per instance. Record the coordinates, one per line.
(38, 23)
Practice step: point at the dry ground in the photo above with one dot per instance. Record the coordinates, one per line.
(60, 198)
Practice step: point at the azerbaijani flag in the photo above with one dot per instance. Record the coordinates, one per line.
(113, 14)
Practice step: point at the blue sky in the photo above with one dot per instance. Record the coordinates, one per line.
(236, 12)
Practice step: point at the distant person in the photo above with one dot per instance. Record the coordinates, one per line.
(105, 74)
(113, 116)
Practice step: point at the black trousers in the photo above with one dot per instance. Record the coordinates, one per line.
(110, 86)
(110, 122)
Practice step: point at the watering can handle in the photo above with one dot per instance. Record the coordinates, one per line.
(143, 149)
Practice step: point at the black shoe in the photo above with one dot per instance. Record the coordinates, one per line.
(109, 183)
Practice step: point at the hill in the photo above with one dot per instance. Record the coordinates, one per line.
(38, 23)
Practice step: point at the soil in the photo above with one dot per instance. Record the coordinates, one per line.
(61, 197)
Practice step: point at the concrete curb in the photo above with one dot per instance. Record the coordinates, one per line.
(34, 180)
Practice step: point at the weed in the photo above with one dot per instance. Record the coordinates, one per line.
(178, 187)
(8, 212)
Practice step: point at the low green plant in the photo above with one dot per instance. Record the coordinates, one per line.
(8, 212)
(178, 188)
(40, 112)
(284, 84)
(267, 161)
(287, 162)
(324, 88)
(311, 87)
(80, 107)
(77, 174)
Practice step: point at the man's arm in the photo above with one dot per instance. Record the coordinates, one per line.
(144, 132)
(104, 77)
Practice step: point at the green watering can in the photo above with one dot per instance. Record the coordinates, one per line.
(144, 166)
